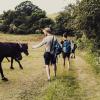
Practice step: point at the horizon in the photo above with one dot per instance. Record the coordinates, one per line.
(52, 6)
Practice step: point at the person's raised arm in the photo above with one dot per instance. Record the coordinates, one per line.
(40, 44)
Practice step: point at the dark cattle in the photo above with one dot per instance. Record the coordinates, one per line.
(23, 49)
(12, 50)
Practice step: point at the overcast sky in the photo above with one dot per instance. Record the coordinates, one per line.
(50, 6)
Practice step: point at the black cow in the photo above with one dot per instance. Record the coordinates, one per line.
(23, 49)
(12, 50)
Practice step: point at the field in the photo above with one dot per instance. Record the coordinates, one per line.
(79, 83)
(53, 16)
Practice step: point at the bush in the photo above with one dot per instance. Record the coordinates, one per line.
(38, 32)
(26, 18)
(4, 28)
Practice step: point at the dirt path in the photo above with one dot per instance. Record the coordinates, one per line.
(88, 81)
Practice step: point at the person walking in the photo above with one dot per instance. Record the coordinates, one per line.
(66, 50)
(49, 57)
(73, 49)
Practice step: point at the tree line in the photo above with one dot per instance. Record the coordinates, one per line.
(80, 19)
(83, 18)
(28, 18)
(24, 19)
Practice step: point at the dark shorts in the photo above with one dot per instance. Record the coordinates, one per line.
(66, 55)
(49, 58)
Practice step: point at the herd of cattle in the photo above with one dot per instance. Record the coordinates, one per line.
(14, 51)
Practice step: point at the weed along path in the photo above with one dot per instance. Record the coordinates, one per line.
(88, 81)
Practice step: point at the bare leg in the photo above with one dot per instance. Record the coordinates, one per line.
(55, 69)
(48, 71)
(64, 61)
(68, 63)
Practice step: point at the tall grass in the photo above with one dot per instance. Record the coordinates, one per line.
(87, 50)
(20, 38)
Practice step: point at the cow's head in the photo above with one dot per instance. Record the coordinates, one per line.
(24, 48)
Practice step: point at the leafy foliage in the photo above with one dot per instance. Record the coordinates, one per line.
(26, 18)
(82, 17)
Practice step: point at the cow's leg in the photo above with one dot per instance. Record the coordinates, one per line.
(11, 63)
(74, 54)
(1, 71)
(19, 63)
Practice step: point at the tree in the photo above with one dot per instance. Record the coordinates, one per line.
(46, 22)
(64, 21)
(25, 19)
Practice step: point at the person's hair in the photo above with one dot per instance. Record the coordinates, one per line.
(65, 35)
(47, 29)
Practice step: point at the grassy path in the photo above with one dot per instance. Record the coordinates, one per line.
(88, 81)
(24, 84)
(79, 83)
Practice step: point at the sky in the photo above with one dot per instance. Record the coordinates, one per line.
(50, 6)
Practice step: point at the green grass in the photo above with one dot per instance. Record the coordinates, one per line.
(92, 59)
(33, 80)
(20, 38)
(31, 83)
(64, 87)
(21, 82)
